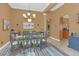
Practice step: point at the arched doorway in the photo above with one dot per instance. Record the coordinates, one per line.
(64, 28)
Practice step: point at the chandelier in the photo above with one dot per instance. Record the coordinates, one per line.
(29, 16)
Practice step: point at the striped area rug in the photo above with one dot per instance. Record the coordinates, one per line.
(49, 50)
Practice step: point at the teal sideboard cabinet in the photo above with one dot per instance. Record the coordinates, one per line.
(74, 42)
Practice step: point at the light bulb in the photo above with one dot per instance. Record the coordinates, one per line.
(24, 15)
(34, 15)
(29, 19)
(44, 14)
(28, 14)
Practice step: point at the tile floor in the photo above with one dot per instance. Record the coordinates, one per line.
(63, 46)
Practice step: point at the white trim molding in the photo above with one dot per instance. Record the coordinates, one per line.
(5, 45)
(32, 8)
(54, 38)
(57, 6)
(45, 7)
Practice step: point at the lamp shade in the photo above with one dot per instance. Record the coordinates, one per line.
(44, 14)
(28, 13)
(34, 15)
(24, 15)
(29, 19)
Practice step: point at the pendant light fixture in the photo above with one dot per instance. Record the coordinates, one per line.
(29, 16)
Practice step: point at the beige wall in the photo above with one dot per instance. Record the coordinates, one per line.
(70, 9)
(4, 13)
(17, 18)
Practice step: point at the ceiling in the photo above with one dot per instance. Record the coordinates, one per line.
(57, 6)
(32, 6)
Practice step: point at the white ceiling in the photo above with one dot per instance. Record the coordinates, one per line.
(33, 6)
(57, 6)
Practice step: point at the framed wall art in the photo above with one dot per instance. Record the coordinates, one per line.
(6, 24)
(28, 25)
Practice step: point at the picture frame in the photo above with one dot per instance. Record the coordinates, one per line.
(6, 24)
(28, 25)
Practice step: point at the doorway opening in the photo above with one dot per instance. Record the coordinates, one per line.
(64, 28)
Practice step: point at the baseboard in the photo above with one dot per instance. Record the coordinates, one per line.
(5, 45)
(54, 38)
